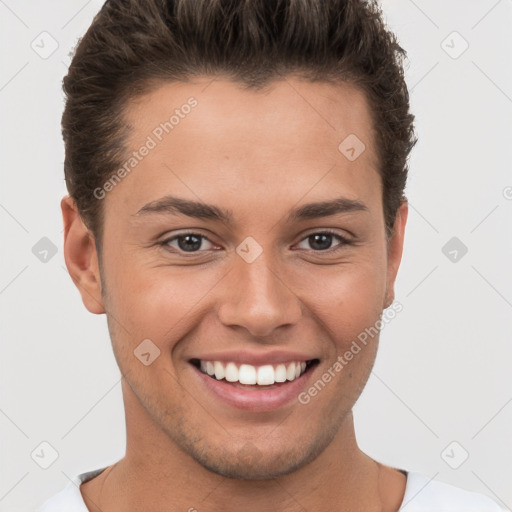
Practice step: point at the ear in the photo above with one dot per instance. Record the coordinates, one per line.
(395, 248)
(81, 257)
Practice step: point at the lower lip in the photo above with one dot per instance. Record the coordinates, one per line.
(252, 398)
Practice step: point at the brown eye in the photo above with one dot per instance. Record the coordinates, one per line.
(322, 241)
(186, 242)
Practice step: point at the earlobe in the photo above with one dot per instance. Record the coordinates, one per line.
(81, 257)
(395, 250)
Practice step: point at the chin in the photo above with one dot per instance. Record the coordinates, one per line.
(246, 469)
(250, 462)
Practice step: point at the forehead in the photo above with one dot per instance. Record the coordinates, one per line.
(213, 137)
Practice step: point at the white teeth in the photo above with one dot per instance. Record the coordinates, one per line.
(247, 374)
(231, 372)
(280, 373)
(265, 375)
(210, 369)
(290, 371)
(219, 370)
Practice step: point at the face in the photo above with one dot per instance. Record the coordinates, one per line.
(246, 235)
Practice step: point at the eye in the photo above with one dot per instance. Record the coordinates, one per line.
(322, 240)
(194, 242)
(186, 242)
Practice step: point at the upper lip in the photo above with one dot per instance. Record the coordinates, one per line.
(255, 358)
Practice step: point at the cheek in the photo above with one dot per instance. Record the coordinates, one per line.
(352, 308)
(351, 299)
(158, 303)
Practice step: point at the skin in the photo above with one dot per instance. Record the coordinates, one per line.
(259, 154)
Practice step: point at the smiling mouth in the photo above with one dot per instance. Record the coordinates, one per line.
(247, 375)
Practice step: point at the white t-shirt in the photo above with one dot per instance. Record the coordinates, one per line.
(421, 495)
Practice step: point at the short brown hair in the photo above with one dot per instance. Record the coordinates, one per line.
(135, 45)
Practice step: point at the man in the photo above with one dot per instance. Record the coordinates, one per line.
(236, 173)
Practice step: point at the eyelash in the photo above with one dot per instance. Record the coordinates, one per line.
(344, 241)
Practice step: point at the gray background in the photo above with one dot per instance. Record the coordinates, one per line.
(443, 370)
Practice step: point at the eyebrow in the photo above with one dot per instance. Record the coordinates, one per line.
(174, 206)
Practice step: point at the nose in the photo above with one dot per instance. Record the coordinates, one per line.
(257, 298)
